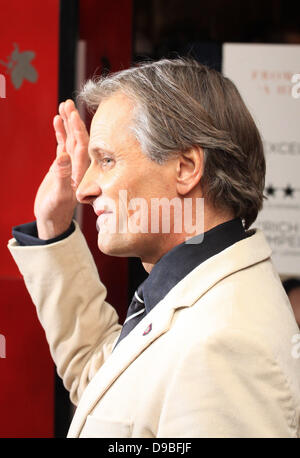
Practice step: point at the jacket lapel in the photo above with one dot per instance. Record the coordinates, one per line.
(242, 254)
(156, 323)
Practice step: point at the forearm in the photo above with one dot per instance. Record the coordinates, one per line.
(80, 326)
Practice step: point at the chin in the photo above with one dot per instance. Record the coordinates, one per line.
(125, 244)
(114, 245)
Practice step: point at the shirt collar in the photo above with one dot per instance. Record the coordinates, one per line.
(183, 258)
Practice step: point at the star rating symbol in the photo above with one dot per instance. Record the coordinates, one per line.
(270, 190)
(288, 191)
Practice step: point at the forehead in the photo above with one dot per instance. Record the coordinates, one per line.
(111, 122)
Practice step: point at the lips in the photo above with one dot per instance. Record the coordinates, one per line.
(101, 211)
(101, 217)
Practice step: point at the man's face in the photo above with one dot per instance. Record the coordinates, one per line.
(119, 172)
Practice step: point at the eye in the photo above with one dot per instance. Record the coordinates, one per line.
(106, 161)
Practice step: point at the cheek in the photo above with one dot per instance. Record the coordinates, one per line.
(141, 181)
(111, 182)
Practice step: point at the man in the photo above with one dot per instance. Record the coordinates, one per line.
(206, 349)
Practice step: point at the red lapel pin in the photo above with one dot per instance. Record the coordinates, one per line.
(147, 330)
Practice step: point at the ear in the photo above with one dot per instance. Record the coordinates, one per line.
(189, 170)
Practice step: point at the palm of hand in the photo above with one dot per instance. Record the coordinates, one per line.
(55, 200)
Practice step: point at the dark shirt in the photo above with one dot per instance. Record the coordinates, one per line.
(183, 258)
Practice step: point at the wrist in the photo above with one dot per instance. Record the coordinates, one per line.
(50, 230)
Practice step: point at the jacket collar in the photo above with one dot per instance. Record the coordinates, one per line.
(249, 251)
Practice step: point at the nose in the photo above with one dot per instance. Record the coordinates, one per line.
(88, 189)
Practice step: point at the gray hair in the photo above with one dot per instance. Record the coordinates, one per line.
(181, 104)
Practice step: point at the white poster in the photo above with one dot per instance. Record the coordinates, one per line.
(268, 78)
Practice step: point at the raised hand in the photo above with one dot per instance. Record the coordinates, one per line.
(75, 137)
(55, 201)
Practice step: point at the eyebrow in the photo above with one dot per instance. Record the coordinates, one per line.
(96, 150)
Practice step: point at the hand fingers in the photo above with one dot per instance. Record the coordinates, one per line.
(69, 106)
(68, 109)
(80, 165)
(60, 134)
(76, 139)
(81, 158)
(62, 113)
(61, 110)
(79, 129)
(62, 168)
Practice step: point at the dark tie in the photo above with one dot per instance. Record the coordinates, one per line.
(135, 313)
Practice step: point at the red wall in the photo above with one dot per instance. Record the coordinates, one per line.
(27, 148)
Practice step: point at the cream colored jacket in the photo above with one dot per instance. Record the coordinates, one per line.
(221, 359)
